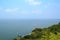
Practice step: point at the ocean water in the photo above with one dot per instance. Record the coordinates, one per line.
(9, 29)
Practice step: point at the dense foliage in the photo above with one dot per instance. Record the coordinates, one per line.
(50, 33)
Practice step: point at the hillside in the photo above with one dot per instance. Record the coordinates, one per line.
(50, 33)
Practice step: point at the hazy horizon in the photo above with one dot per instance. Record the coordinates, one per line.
(22, 16)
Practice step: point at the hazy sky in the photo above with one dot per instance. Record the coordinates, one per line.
(29, 9)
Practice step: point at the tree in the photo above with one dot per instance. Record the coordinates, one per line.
(27, 37)
(14, 39)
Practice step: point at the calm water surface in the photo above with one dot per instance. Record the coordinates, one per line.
(11, 28)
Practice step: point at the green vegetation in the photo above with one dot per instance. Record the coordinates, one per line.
(50, 33)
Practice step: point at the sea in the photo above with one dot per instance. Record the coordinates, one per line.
(11, 28)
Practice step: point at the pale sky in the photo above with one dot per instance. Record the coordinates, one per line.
(29, 9)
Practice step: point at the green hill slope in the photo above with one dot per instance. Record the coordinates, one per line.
(50, 33)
